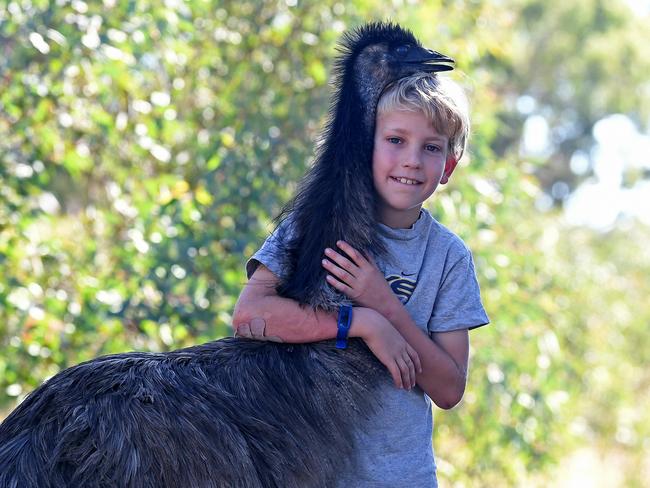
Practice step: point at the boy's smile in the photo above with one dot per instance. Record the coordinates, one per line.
(409, 162)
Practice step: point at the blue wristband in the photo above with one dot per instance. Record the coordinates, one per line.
(343, 326)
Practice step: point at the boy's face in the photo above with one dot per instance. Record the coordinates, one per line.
(409, 161)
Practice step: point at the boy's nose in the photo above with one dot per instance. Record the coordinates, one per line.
(412, 162)
(412, 158)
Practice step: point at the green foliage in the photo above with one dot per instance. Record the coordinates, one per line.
(146, 147)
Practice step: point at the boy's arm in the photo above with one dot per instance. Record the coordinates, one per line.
(261, 314)
(444, 357)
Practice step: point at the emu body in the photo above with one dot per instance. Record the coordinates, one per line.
(229, 413)
(237, 413)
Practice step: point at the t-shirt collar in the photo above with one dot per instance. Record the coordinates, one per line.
(406, 234)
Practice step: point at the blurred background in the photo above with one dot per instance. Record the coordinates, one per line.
(146, 145)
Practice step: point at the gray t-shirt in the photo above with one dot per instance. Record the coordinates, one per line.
(432, 272)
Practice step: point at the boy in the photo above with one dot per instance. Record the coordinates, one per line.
(414, 308)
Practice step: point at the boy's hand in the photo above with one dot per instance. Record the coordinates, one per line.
(388, 345)
(256, 329)
(358, 278)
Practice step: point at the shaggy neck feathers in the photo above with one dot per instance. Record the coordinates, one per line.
(336, 199)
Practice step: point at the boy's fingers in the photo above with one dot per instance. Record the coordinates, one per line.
(356, 256)
(257, 327)
(406, 370)
(339, 272)
(412, 369)
(340, 286)
(415, 357)
(341, 261)
(243, 330)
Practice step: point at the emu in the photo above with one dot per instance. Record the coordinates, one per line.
(237, 412)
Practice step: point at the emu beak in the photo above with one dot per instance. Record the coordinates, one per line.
(428, 60)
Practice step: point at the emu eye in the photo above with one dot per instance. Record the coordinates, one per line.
(402, 50)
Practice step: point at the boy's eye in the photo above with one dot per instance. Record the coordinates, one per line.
(432, 148)
(394, 140)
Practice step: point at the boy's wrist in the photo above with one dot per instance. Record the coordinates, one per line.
(364, 321)
(391, 307)
(358, 324)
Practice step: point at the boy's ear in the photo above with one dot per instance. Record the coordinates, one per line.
(450, 165)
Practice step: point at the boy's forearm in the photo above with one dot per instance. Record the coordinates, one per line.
(281, 319)
(285, 319)
(442, 378)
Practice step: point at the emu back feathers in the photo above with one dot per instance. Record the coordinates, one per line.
(229, 413)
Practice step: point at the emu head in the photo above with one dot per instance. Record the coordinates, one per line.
(336, 199)
(377, 54)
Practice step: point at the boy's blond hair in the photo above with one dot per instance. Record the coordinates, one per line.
(441, 100)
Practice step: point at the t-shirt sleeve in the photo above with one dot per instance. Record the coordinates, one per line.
(458, 303)
(272, 253)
